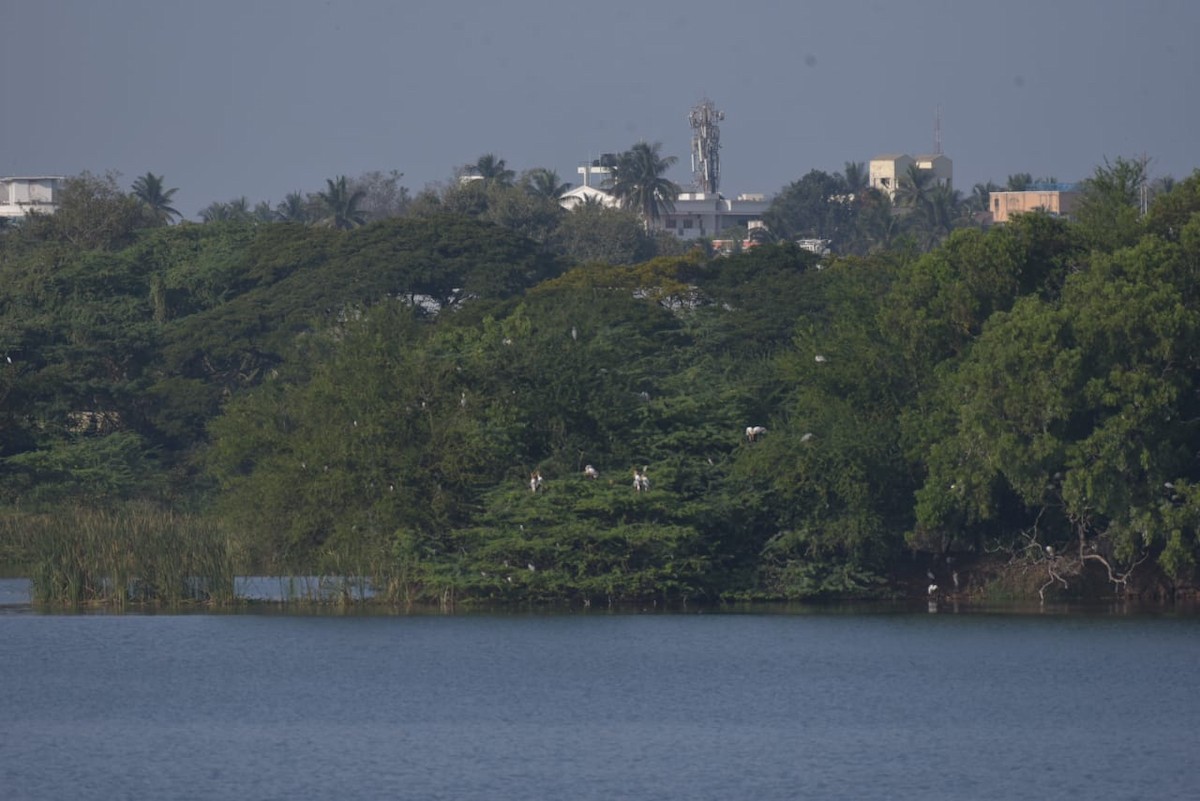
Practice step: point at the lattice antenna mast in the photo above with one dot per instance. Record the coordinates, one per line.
(706, 146)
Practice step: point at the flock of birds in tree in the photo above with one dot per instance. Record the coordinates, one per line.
(641, 481)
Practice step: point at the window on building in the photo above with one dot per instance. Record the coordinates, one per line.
(689, 223)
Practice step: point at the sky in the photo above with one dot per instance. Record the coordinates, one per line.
(259, 98)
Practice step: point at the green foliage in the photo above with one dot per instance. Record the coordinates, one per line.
(149, 191)
(92, 213)
(132, 552)
(639, 182)
(1076, 412)
(818, 206)
(94, 470)
(1109, 208)
(373, 401)
(599, 234)
(340, 205)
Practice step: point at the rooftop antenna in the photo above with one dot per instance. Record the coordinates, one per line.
(937, 130)
(706, 145)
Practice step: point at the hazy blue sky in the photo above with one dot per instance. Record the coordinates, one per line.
(261, 97)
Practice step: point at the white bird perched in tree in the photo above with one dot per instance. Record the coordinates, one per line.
(753, 432)
(591, 472)
(807, 437)
(574, 333)
(535, 481)
(640, 482)
(932, 589)
(820, 358)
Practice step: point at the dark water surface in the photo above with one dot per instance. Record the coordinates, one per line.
(683, 706)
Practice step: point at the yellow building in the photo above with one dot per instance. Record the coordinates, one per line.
(1056, 199)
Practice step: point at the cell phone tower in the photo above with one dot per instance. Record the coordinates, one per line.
(706, 145)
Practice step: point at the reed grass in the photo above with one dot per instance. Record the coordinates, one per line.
(137, 553)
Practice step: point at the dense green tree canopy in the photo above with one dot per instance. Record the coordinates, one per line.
(376, 400)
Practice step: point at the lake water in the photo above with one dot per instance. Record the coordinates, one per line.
(896, 705)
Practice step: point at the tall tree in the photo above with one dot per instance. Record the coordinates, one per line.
(913, 189)
(93, 213)
(149, 190)
(1019, 182)
(639, 182)
(263, 212)
(816, 206)
(942, 212)
(544, 183)
(981, 196)
(293, 208)
(1109, 210)
(492, 170)
(340, 205)
(384, 195)
(236, 210)
(855, 177)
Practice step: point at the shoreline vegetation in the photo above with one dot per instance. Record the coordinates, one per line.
(142, 557)
(482, 399)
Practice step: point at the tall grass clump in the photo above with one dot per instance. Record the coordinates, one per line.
(137, 553)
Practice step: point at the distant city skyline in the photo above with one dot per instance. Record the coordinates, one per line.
(262, 98)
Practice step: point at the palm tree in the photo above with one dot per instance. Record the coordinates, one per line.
(263, 212)
(639, 183)
(855, 177)
(293, 208)
(1019, 182)
(877, 227)
(236, 210)
(544, 183)
(589, 203)
(913, 189)
(148, 189)
(492, 170)
(340, 205)
(940, 214)
(981, 196)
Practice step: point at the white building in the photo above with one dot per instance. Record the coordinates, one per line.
(19, 196)
(700, 215)
(585, 194)
(597, 171)
(697, 214)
